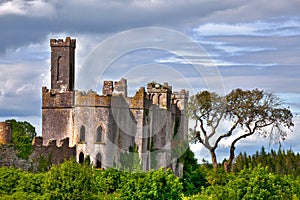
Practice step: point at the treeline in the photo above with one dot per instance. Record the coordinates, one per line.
(272, 175)
(280, 162)
(250, 183)
(71, 180)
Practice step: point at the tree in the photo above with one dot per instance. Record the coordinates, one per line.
(193, 174)
(207, 109)
(69, 180)
(252, 183)
(248, 111)
(22, 136)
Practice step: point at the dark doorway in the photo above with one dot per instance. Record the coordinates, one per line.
(98, 160)
(81, 157)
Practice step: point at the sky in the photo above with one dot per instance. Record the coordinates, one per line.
(236, 44)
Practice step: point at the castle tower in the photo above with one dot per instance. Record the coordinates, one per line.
(160, 94)
(58, 102)
(62, 64)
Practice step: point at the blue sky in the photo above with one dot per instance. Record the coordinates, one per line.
(253, 44)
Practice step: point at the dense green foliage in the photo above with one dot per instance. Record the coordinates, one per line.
(22, 136)
(193, 174)
(71, 180)
(250, 183)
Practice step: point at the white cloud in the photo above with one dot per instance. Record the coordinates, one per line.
(14, 7)
(34, 8)
(255, 10)
(281, 27)
(225, 29)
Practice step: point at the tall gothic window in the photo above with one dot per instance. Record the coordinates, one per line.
(99, 135)
(82, 134)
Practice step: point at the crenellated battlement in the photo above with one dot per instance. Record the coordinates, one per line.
(117, 87)
(68, 42)
(160, 94)
(91, 98)
(155, 87)
(182, 94)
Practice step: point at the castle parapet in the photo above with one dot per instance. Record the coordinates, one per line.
(160, 94)
(37, 141)
(180, 98)
(117, 87)
(91, 98)
(183, 94)
(68, 42)
(159, 88)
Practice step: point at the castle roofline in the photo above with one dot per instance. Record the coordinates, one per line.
(68, 42)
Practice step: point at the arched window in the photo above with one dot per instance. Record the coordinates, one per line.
(98, 160)
(81, 157)
(82, 134)
(59, 69)
(99, 135)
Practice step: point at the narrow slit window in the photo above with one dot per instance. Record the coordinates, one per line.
(82, 134)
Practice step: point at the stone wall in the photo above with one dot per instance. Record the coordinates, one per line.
(9, 158)
(57, 115)
(52, 154)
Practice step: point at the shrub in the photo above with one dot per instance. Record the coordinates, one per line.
(69, 180)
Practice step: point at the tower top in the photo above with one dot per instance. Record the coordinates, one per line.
(63, 64)
(68, 42)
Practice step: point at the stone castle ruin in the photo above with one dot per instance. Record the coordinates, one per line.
(5, 133)
(106, 126)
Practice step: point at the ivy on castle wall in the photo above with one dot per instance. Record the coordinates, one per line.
(22, 136)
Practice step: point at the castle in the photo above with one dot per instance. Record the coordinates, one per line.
(105, 127)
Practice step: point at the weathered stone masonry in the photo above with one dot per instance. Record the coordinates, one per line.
(104, 126)
(85, 123)
(51, 153)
